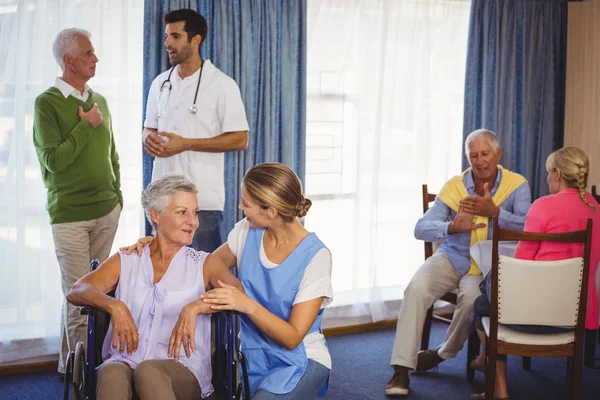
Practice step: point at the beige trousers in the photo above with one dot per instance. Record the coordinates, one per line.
(76, 245)
(151, 380)
(432, 280)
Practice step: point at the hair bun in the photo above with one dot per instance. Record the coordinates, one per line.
(303, 207)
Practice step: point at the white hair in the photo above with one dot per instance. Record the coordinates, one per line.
(158, 194)
(490, 136)
(66, 43)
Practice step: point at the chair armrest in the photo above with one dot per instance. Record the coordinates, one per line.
(246, 385)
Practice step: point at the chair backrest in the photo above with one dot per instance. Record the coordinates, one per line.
(539, 292)
(427, 199)
(520, 287)
(596, 195)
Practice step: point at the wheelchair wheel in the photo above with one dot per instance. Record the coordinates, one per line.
(68, 375)
(79, 372)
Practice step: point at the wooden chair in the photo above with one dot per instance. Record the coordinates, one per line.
(555, 293)
(591, 336)
(451, 297)
(596, 195)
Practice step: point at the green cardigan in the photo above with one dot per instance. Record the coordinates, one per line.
(80, 164)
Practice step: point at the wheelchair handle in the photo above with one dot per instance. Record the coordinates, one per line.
(86, 310)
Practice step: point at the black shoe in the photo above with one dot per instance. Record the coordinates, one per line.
(428, 359)
(398, 385)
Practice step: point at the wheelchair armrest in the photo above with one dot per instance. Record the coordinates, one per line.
(86, 310)
(89, 310)
(246, 384)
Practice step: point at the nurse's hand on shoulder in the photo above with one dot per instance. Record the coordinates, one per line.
(175, 144)
(137, 247)
(227, 297)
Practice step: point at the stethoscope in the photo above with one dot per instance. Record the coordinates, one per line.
(167, 83)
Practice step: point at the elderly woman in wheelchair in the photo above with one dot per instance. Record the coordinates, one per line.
(156, 310)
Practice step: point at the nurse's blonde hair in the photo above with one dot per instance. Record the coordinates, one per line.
(574, 167)
(276, 185)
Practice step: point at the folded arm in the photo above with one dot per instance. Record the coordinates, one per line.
(229, 141)
(155, 144)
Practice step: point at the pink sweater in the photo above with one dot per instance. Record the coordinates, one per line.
(564, 212)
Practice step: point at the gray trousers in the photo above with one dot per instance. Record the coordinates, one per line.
(151, 380)
(76, 245)
(432, 280)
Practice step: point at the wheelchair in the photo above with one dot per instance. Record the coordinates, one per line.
(80, 369)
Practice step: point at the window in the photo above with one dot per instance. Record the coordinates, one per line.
(30, 306)
(384, 115)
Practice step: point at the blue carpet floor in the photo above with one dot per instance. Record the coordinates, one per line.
(361, 372)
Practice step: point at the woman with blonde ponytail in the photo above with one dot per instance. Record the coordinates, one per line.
(568, 170)
(286, 274)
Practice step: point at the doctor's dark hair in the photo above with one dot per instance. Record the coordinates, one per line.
(276, 185)
(195, 24)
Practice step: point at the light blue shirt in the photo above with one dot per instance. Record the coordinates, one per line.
(433, 227)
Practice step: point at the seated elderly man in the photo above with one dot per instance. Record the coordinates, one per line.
(157, 308)
(459, 217)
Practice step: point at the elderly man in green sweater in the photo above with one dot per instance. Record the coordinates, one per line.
(73, 138)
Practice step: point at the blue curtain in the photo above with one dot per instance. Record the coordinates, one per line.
(261, 44)
(515, 80)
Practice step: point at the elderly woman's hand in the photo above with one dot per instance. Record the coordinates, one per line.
(137, 247)
(227, 297)
(124, 330)
(185, 330)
